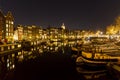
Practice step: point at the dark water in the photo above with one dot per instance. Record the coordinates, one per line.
(53, 64)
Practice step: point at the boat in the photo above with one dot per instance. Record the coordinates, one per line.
(114, 70)
(75, 52)
(88, 73)
(95, 57)
(98, 52)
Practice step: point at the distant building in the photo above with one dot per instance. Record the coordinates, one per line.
(28, 32)
(9, 28)
(35, 32)
(2, 25)
(20, 32)
(63, 26)
(25, 32)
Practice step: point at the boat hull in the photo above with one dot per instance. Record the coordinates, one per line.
(114, 70)
(93, 62)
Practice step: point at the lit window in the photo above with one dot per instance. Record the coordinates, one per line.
(6, 25)
(11, 22)
(6, 34)
(6, 29)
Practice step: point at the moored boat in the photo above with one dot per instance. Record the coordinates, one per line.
(95, 59)
(114, 69)
(98, 52)
(91, 73)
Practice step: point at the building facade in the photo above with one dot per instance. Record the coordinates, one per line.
(2, 25)
(9, 28)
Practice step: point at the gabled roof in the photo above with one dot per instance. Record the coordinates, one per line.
(1, 13)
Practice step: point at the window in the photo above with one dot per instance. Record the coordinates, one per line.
(6, 34)
(7, 29)
(11, 22)
(7, 25)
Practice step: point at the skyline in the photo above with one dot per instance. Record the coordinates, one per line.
(85, 14)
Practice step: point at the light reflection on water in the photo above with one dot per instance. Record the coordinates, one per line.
(54, 48)
(91, 74)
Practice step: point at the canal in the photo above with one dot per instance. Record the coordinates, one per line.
(51, 62)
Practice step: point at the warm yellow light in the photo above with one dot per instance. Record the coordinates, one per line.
(30, 37)
(37, 37)
(15, 37)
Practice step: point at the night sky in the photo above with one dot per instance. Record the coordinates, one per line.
(85, 14)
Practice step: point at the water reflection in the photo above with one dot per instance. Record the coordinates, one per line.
(8, 63)
(89, 73)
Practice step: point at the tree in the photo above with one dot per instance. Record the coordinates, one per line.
(114, 28)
